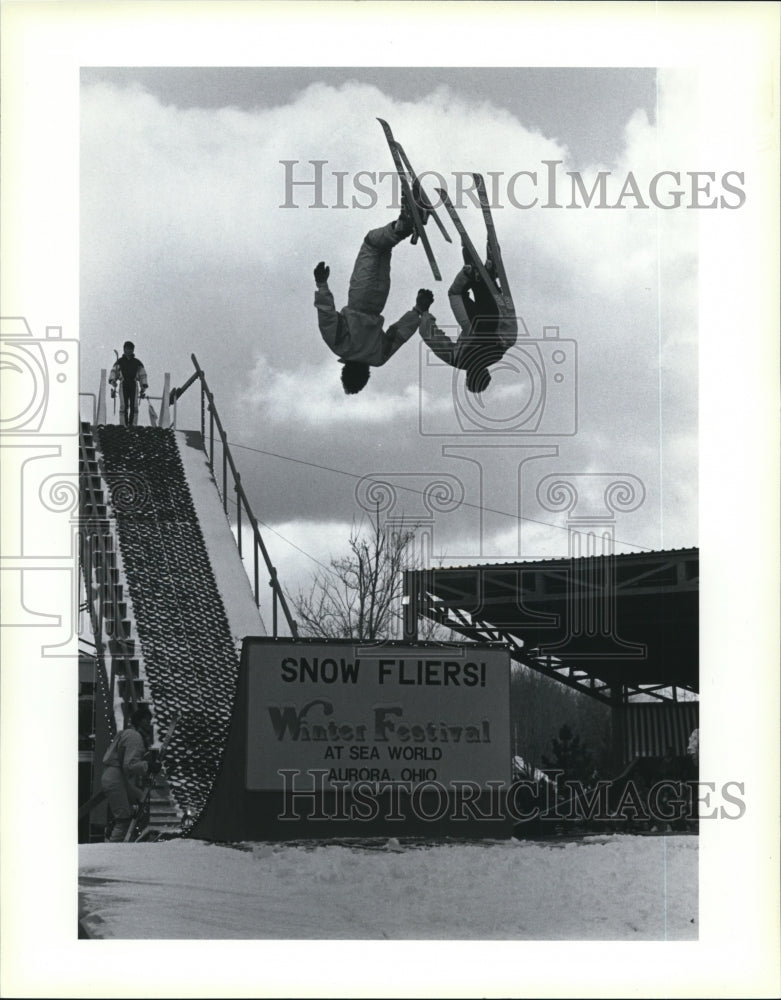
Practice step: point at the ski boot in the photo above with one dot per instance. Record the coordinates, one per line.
(405, 224)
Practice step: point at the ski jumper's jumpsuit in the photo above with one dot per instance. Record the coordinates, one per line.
(128, 371)
(123, 767)
(356, 332)
(487, 331)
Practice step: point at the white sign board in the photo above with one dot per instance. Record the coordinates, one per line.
(386, 713)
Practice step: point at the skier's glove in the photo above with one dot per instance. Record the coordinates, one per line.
(321, 273)
(154, 764)
(143, 394)
(113, 393)
(424, 300)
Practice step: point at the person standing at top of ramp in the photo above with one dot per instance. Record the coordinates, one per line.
(125, 764)
(356, 333)
(128, 371)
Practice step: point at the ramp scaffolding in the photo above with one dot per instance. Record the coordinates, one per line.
(160, 628)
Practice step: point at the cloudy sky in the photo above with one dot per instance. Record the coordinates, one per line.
(194, 241)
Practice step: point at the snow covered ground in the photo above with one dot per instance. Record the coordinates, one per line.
(561, 918)
(619, 887)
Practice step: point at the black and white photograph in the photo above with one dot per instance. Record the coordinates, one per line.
(377, 380)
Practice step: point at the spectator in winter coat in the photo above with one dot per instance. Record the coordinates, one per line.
(128, 371)
(124, 768)
(488, 331)
(356, 333)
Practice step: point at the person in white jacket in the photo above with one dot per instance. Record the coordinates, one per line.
(125, 765)
(356, 333)
(130, 375)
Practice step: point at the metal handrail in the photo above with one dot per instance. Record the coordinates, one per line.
(94, 398)
(97, 614)
(154, 418)
(259, 547)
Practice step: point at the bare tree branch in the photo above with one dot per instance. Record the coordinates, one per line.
(361, 596)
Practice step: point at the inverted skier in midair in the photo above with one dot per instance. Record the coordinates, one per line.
(481, 302)
(488, 328)
(356, 333)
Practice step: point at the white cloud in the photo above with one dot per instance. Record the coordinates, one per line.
(313, 395)
(185, 248)
(299, 550)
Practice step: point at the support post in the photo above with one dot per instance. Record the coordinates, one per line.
(211, 434)
(165, 419)
(410, 606)
(101, 417)
(256, 561)
(618, 726)
(224, 477)
(273, 585)
(238, 512)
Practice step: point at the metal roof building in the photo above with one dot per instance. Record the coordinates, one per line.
(620, 628)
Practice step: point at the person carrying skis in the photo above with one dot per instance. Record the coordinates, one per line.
(128, 371)
(126, 763)
(488, 330)
(356, 333)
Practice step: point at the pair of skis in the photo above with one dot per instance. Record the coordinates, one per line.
(422, 209)
(501, 294)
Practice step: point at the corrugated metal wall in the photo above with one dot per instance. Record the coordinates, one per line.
(652, 728)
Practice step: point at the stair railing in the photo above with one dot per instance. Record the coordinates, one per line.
(259, 550)
(94, 543)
